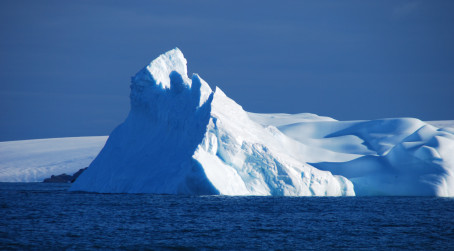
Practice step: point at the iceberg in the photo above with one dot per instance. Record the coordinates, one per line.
(181, 137)
(398, 157)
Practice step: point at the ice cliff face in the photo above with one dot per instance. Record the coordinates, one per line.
(181, 137)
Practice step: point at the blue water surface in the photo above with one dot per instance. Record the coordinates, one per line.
(43, 216)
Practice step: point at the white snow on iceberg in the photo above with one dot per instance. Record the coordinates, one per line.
(402, 156)
(181, 137)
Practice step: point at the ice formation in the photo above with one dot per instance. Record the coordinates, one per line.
(181, 137)
(401, 156)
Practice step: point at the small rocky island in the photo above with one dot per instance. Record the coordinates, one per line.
(64, 178)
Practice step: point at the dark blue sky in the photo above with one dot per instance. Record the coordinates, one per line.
(65, 66)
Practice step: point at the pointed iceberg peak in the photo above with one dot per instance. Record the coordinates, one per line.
(159, 70)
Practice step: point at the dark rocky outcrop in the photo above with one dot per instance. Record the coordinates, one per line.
(64, 178)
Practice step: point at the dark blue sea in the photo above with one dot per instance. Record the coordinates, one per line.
(47, 216)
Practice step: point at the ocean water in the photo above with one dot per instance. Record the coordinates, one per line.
(46, 216)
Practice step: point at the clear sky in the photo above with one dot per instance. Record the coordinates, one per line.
(65, 66)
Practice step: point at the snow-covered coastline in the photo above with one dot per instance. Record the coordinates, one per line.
(37, 159)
